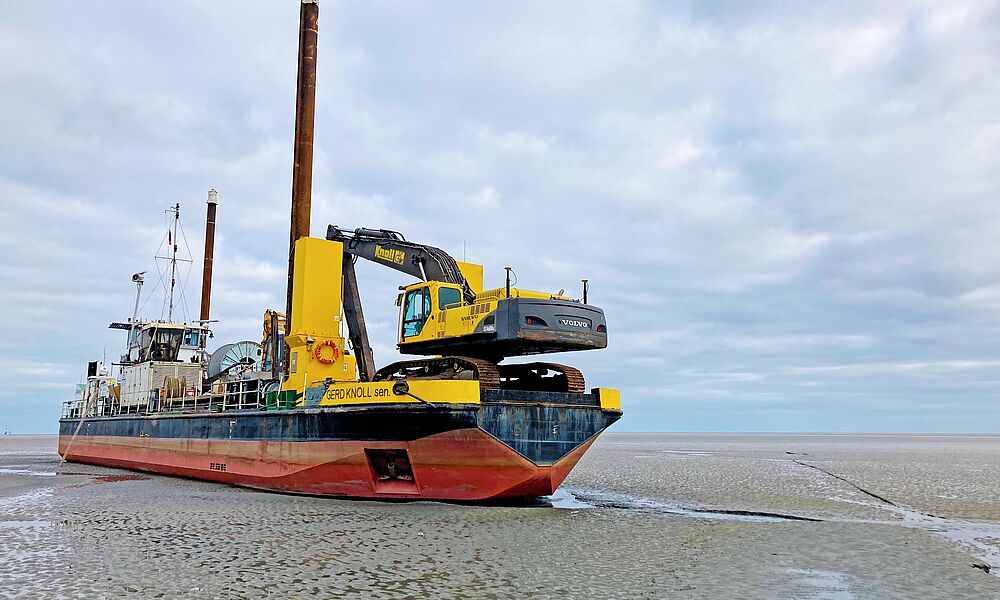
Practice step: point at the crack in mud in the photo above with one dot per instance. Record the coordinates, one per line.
(567, 499)
(963, 533)
(755, 513)
(848, 482)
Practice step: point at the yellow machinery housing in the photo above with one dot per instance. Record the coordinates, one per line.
(315, 346)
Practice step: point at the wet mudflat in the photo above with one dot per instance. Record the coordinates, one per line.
(643, 516)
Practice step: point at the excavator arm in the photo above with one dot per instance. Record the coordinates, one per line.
(390, 249)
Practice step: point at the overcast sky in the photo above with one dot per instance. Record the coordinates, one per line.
(788, 210)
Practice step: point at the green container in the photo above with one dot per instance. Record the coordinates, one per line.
(271, 400)
(286, 399)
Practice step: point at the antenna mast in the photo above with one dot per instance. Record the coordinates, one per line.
(137, 279)
(173, 262)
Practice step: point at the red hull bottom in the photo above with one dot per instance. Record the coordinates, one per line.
(460, 465)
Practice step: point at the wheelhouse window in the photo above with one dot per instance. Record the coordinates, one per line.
(190, 338)
(416, 309)
(161, 344)
(449, 297)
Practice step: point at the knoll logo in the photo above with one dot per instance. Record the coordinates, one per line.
(390, 255)
(574, 323)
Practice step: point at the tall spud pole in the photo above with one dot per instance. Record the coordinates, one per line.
(206, 274)
(305, 113)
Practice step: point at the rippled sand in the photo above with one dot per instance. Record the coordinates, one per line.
(644, 516)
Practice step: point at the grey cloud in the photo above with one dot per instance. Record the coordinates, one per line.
(788, 212)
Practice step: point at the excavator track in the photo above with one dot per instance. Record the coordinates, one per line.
(446, 367)
(541, 376)
(536, 376)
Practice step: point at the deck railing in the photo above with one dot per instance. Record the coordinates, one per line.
(238, 395)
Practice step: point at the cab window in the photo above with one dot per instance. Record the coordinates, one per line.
(448, 297)
(416, 309)
(191, 338)
(161, 344)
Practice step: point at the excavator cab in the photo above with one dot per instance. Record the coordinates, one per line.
(416, 311)
(423, 309)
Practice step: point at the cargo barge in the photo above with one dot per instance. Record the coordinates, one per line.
(490, 448)
(307, 411)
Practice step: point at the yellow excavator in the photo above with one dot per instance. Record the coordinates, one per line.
(446, 314)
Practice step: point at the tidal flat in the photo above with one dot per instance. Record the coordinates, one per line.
(643, 516)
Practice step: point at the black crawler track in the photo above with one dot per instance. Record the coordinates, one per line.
(536, 376)
(446, 367)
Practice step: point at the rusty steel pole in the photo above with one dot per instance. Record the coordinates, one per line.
(305, 113)
(206, 275)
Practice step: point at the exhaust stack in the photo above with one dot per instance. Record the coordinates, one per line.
(305, 113)
(206, 275)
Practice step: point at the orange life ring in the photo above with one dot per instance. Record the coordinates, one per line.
(318, 352)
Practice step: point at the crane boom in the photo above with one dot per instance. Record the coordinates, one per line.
(391, 249)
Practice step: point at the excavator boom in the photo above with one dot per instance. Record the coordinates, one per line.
(390, 249)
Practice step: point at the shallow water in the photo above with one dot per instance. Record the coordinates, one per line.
(643, 516)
